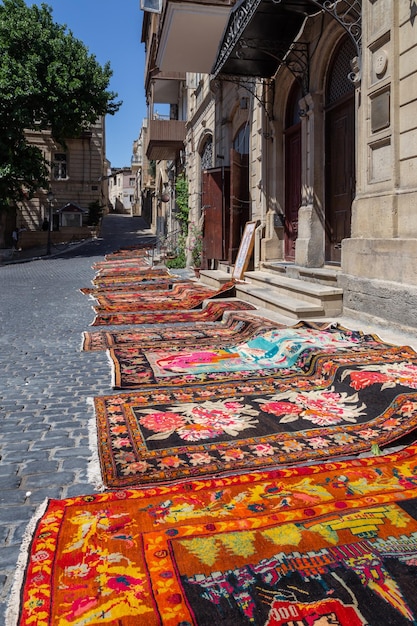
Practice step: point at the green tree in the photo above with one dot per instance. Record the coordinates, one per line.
(95, 213)
(48, 81)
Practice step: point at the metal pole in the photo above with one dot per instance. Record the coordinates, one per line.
(50, 198)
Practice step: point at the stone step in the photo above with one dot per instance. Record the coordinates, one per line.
(323, 275)
(215, 278)
(291, 297)
(325, 297)
(271, 300)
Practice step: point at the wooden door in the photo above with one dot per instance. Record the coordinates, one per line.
(292, 188)
(239, 201)
(340, 176)
(215, 204)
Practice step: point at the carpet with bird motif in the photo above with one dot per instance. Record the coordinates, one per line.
(313, 545)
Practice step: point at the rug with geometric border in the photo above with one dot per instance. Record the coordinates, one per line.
(266, 351)
(210, 312)
(181, 296)
(237, 325)
(339, 404)
(313, 545)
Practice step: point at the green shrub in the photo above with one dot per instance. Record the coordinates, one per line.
(177, 262)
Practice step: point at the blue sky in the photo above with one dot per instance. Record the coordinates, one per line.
(112, 32)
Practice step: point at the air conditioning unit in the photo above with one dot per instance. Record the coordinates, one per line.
(153, 6)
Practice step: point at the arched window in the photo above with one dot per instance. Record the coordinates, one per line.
(293, 107)
(241, 141)
(339, 85)
(207, 155)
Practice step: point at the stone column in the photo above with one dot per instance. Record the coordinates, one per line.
(309, 248)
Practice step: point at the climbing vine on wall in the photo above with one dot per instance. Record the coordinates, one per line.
(181, 198)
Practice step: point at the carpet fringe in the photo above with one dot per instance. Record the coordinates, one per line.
(112, 369)
(94, 469)
(13, 606)
(83, 341)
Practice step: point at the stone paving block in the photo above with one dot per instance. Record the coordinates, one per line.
(35, 481)
(40, 467)
(80, 451)
(12, 496)
(10, 482)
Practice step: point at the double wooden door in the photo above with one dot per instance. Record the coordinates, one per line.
(340, 177)
(225, 201)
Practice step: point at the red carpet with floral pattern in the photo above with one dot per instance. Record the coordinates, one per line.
(331, 404)
(181, 296)
(313, 545)
(210, 312)
(132, 300)
(125, 278)
(161, 283)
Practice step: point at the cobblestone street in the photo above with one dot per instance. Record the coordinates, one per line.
(46, 382)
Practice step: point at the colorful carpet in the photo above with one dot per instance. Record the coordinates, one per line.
(237, 325)
(317, 545)
(131, 252)
(124, 268)
(161, 283)
(115, 263)
(210, 312)
(111, 300)
(137, 277)
(281, 351)
(339, 404)
(181, 296)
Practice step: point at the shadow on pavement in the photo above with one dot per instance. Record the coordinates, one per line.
(117, 231)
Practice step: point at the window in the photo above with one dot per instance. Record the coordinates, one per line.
(207, 155)
(131, 182)
(241, 141)
(59, 166)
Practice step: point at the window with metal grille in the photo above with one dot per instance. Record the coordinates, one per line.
(207, 155)
(339, 84)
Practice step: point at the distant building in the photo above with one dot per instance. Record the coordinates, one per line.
(122, 190)
(77, 175)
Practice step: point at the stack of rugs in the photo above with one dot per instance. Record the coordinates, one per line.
(244, 467)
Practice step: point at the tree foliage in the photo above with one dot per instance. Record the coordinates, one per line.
(95, 213)
(48, 81)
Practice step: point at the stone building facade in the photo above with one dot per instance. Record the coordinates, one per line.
(77, 175)
(305, 123)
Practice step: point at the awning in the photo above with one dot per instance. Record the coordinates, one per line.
(258, 36)
(261, 34)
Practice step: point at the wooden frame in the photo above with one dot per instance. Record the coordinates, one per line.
(245, 251)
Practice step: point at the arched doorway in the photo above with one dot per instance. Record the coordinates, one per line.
(340, 150)
(292, 136)
(211, 206)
